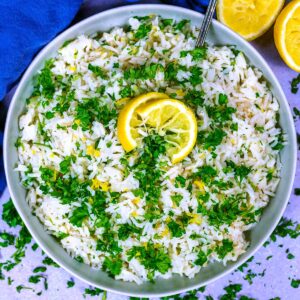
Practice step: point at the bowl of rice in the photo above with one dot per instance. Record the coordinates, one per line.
(134, 220)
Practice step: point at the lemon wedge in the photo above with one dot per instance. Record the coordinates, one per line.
(287, 35)
(128, 122)
(249, 18)
(173, 120)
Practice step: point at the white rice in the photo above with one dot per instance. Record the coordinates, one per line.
(224, 71)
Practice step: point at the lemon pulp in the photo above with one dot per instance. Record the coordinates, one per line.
(287, 35)
(167, 117)
(128, 123)
(249, 18)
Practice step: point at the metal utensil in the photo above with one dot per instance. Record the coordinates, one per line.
(206, 23)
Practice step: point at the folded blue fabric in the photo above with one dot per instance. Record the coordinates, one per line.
(26, 26)
(198, 5)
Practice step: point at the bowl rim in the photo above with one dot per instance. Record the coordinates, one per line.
(146, 8)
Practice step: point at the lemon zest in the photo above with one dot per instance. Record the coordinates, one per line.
(165, 232)
(134, 214)
(200, 185)
(196, 219)
(180, 93)
(136, 201)
(96, 184)
(72, 68)
(90, 150)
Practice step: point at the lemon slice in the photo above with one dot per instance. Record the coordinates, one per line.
(287, 35)
(128, 122)
(173, 120)
(249, 18)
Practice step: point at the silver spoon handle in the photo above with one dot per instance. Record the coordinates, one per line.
(206, 23)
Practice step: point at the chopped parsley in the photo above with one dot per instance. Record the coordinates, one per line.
(171, 72)
(223, 99)
(126, 92)
(6, 239)
(202, 258)
(231, 292)
(67, 190)
(98, 209)
(206, 174)
(225, 248)
(126, 230)
(49, 262)
(295, 283)
(143, 31)
(39, 269)
(10, 214)
(64, 101)
(180, 181)
(11, 217)
(285, 228)
(240, 171)
(234, 127)
(79, 214)
(197, 53)
(245, 264)
(66, 43)
(35, 278)
(279, 143)
(44, 81)
(296, 112)
(149, 176)
(108, 243)
(49, 115)
(259, 128)
(194, 98)
(228, 210)
(211, 139)
(65, 164)
(94, 110)
(153, 258)
(182, 24)
(143, 72)
(176, 199)
(221, 113)
(19, 288)
(112, 266)
(92, 292)
(294, 84)
(70, 283)
(97, 71)
(176, 229)
(166, 22)
(196, 75)
(61, 235)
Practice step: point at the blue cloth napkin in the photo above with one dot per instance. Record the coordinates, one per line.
(26, 26)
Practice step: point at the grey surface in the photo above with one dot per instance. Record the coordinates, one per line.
(220, 36)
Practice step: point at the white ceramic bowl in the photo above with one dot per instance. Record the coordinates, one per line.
(219, 35)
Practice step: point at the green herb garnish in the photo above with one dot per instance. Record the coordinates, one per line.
(294, 84)
(152, 258)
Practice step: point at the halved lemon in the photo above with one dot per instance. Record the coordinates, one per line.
(173, 120)
(128, 122)
(287, 35)
(249, 18)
